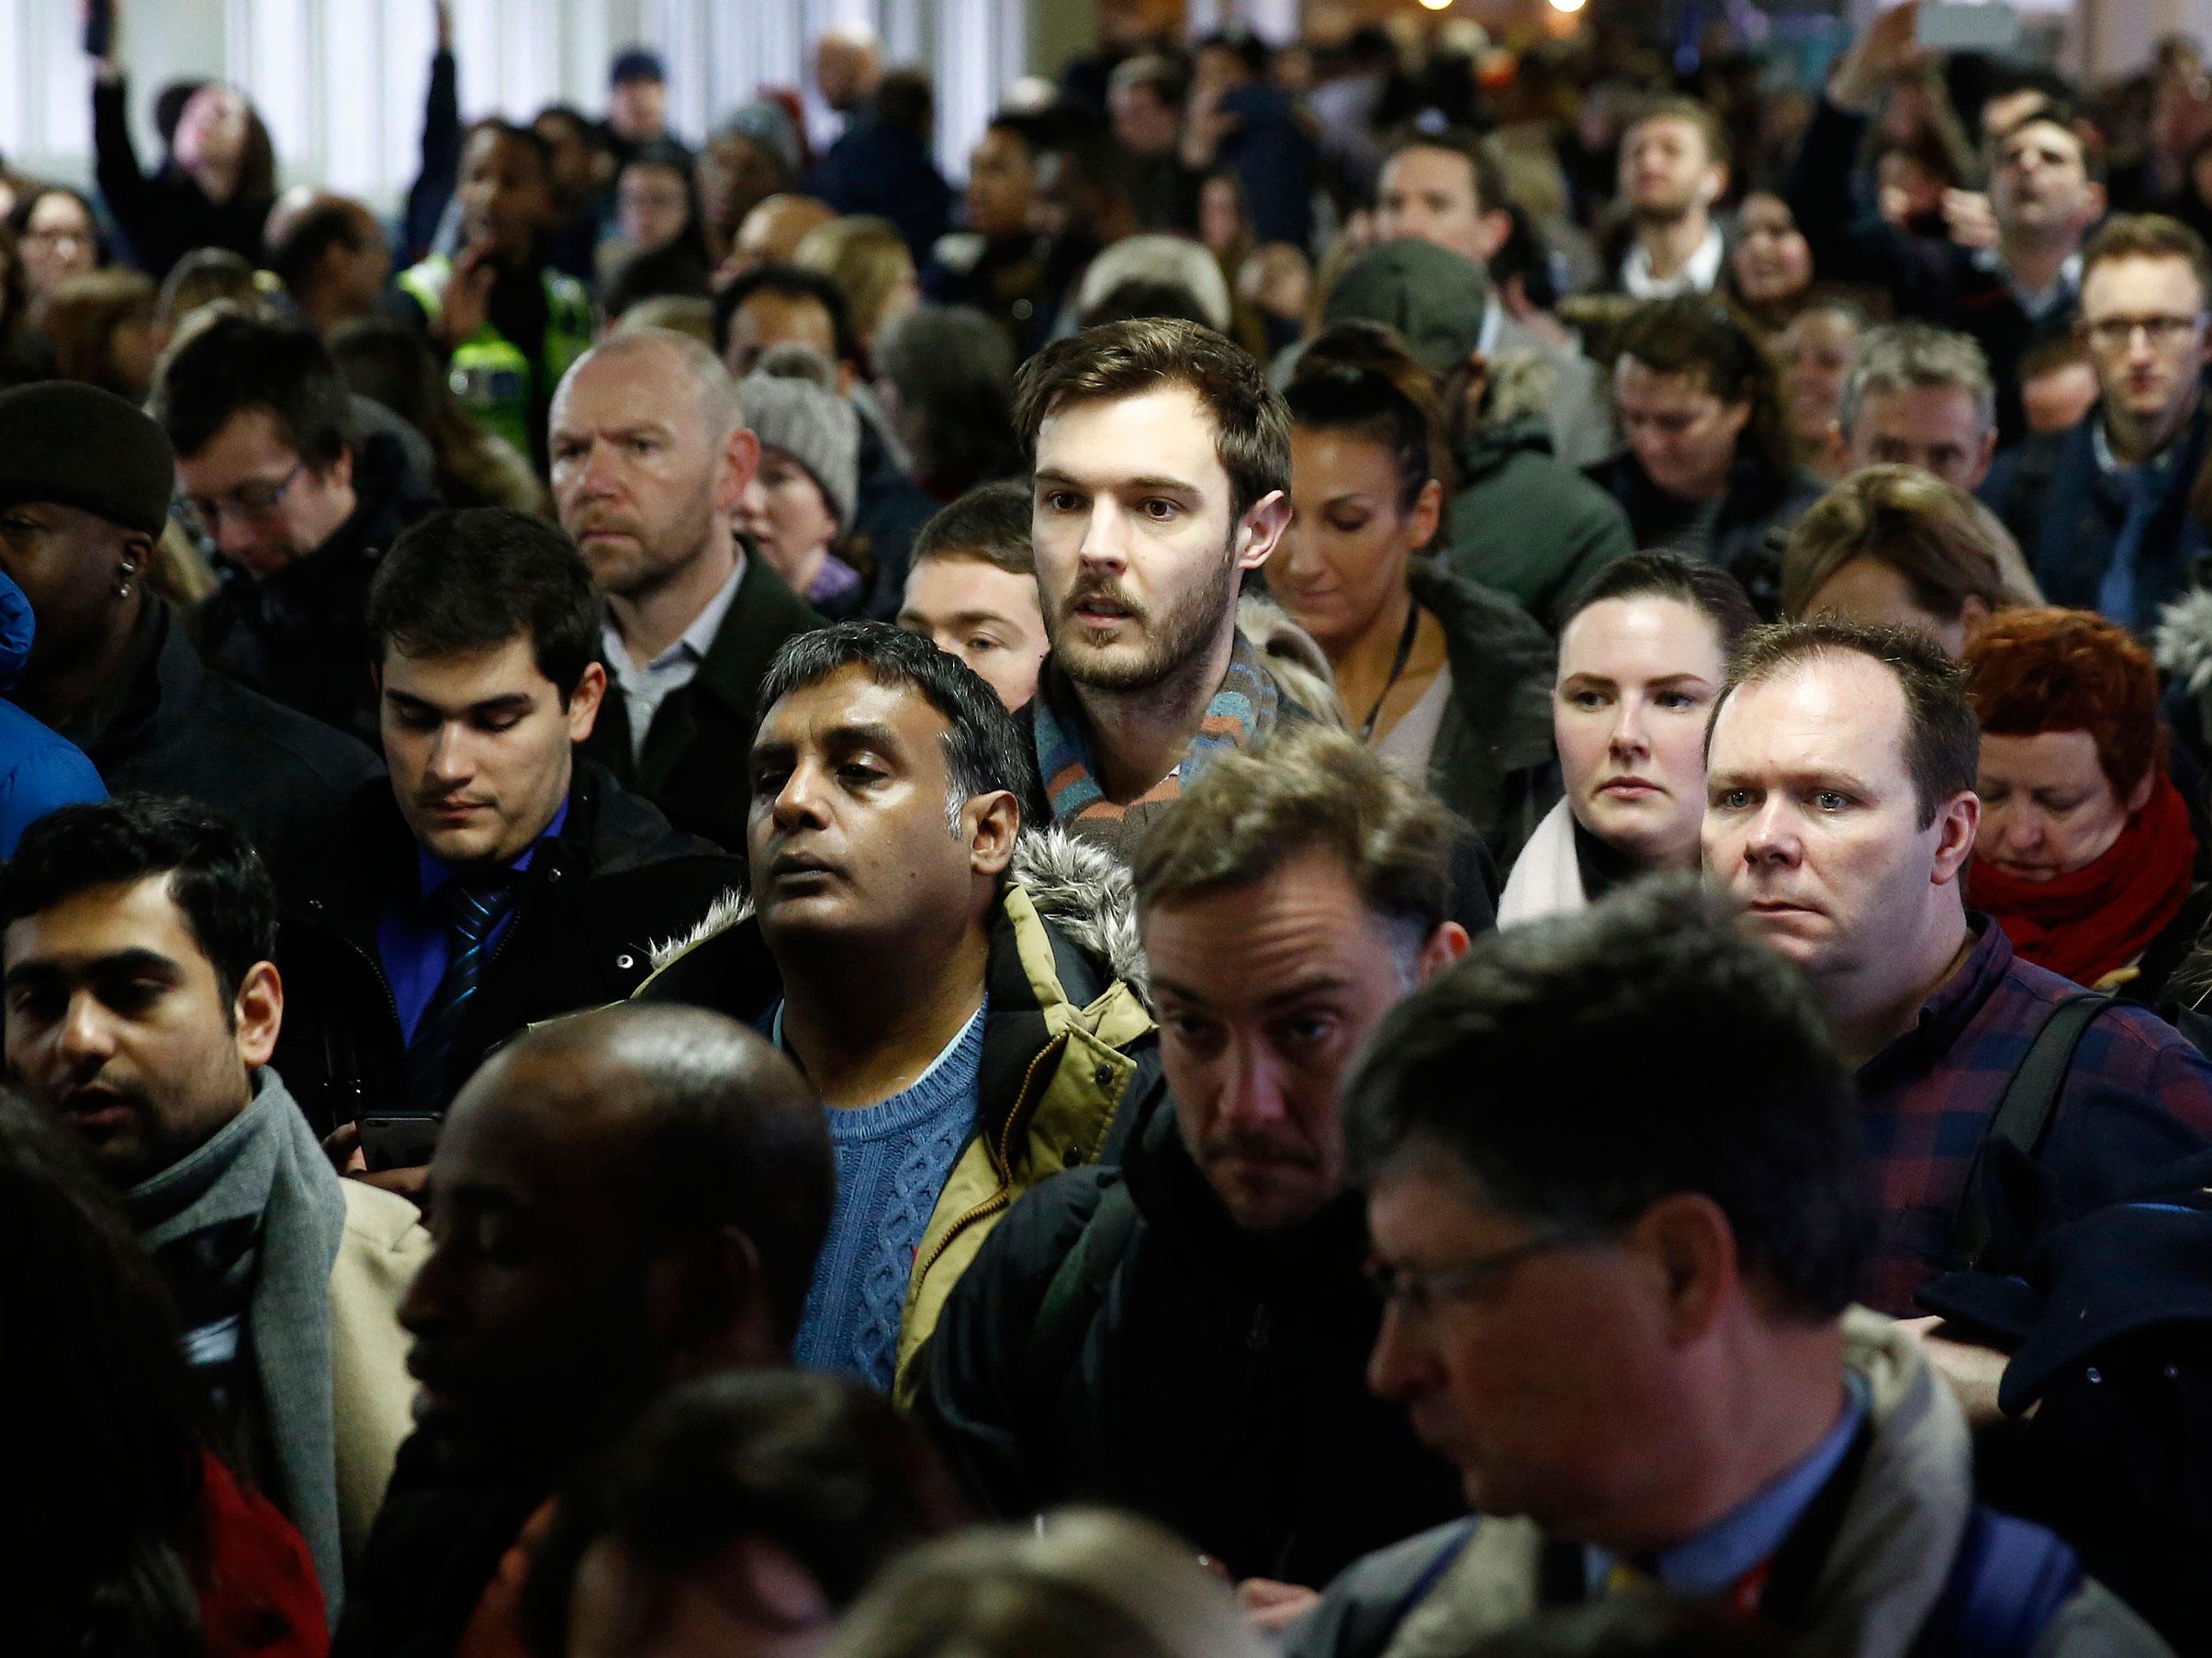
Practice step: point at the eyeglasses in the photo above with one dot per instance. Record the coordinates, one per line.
(2117, 333)
(1420, 1294)
(252, 501)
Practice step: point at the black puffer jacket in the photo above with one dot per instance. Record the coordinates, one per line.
(1216, 1383)
(593, 904)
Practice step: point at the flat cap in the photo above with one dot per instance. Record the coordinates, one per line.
(75, 445)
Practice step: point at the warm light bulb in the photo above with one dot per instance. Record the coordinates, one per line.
(1436, 6)
(1566, 6)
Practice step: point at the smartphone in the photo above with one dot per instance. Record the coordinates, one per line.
(399, 1142)
(1968, 25)
(99, 27)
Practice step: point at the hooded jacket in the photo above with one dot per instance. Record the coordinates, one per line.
(40, 768)
(1492, 761)
(1527, 524)
(1889, 1562)
(1218, 1385)
(1070, 1054)
(587, 913)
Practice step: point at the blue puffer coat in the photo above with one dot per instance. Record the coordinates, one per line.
(39, 770)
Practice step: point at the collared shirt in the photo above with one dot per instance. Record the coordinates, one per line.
(1697, 276)
(1717, 1559)
(645, 689)
(412, 938)
(2064, 289)
(2137, 1097)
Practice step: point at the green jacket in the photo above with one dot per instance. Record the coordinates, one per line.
(1070, 1054)
(493, 377)
(1528, 525)
(1492, 761)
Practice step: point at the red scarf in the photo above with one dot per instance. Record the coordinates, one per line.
(2097, 919)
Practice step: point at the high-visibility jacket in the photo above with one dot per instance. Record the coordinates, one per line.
(491, 374)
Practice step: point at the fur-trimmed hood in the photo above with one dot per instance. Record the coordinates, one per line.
(1081, 890)
(2183, 641)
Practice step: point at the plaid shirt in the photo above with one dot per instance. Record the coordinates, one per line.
(2138, 1098)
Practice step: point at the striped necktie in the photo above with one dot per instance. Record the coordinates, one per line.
(475, 905)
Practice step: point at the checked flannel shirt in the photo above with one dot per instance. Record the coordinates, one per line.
(2138, 1098)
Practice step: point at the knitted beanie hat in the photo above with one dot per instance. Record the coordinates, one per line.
(790, 403)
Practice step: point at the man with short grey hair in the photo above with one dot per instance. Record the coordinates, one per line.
(650, 455)
(1920, 395)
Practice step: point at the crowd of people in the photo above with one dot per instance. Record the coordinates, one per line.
(1409, 854)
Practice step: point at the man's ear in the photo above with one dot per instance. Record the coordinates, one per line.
(1261, 528)
(740, 460)
(258, 1013)
(341, 469)
(1956, 823)
(1496, 227)
(584, 701)
(1440, 951)
(1685, 1237)
(992, 824)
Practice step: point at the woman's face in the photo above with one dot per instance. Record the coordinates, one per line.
(785, 511)
(1637, 677)
(651, 205)
(1817, 352)
(2048, 808)
(1221, 216)
(1343, 557)
(212, 130)
(1772, 262)
(58, 242)
(736, 174)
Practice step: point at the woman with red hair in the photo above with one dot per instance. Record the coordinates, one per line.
(2085, 855)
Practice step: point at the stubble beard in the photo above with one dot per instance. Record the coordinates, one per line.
(1173, 638)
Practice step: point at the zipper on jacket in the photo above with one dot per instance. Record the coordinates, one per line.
(1003, 1198)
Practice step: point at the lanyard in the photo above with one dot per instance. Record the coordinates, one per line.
(1398, 667)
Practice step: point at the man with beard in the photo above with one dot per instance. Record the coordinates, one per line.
(650, 457)
(1160, 458)
(1674, 170)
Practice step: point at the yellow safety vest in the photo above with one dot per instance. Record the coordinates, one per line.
(488, 372)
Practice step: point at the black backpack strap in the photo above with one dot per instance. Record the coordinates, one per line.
(2024, 1114)
(1078, 1289)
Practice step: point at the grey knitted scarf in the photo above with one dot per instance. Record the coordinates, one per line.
(265, 1162)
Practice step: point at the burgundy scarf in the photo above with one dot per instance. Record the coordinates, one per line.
(2097, 919)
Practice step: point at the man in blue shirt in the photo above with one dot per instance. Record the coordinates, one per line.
(1623, 1315)
(493, 882)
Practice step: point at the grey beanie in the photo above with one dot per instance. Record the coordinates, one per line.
(789, 406)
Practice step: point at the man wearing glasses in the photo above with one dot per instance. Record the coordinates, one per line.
(2103, 510)
(1186, 1336)
(297, 509)
(1623, 1313)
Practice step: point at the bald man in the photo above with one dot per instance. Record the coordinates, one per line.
(621, 1200)
(650, 456)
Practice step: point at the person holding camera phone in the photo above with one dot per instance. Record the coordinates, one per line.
(142, 1005)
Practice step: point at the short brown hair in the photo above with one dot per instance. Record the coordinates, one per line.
(991, 522)
(1312, 786)
(1251, 428)
(1942, 737)
(2050, 669)
(1932, 534)
(1490, 190)
(1698, 335)
(2148, 236)
(1672, 106)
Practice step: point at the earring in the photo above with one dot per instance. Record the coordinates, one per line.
(125, 571)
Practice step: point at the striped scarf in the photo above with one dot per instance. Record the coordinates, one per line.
(1243, 714)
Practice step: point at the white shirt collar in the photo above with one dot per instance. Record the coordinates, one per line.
(695, 641)
(1699, 275)
(2063, 288)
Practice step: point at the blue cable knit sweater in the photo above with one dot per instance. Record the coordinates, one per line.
(892, 1160)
